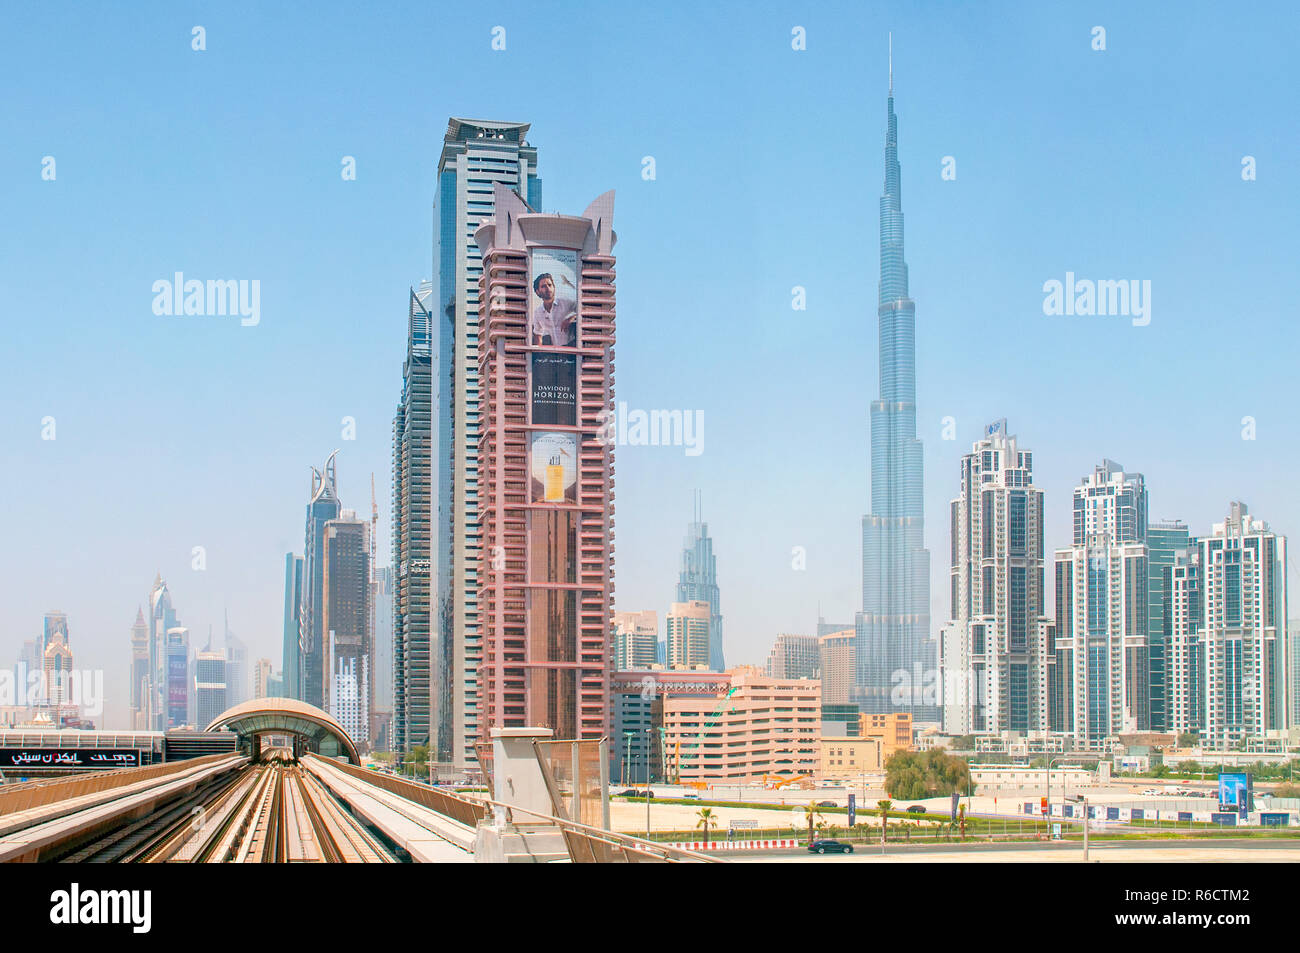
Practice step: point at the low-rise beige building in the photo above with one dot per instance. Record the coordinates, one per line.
(848, 757)
(761, 726)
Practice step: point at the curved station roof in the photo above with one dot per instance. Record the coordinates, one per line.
(288, 716)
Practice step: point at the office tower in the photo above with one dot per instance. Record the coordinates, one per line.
(477, 157)
(1185, 647)
(688, 634)
(176, 653)
(56, 665)
(345, 624)
(636, 636)
(1244, 610)
(417, 639)
(291, 658)
(54, 623)
(275, 685)
(546, 467)
(139, 672)
(895, 653)
(210, 687)
(838, 667)
(698, 580)
(993, 657)
(162, 618)
(236, 667)
(262, 676)
(323, 506)
(1165, 541)
(1102, 608)
(381, 601)
(795, 656)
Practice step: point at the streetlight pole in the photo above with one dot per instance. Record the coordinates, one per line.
(1049, 791)
(627, 756)
(648, 733)
(1085, 830)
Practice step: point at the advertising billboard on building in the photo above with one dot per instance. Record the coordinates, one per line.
(553, 468)
(554, 388)
(553, 299)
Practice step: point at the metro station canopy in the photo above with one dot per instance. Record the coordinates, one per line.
(288, 716)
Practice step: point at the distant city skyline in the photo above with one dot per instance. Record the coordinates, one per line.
(1117, 164)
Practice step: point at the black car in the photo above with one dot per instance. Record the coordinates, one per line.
(829, 847)
(916, 809)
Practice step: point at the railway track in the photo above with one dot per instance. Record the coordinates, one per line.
(272, 812)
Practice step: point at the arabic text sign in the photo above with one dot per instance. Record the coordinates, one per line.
(87, 758)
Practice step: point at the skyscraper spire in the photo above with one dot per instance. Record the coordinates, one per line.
(893, 630)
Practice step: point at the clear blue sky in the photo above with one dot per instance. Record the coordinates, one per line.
(179, 432)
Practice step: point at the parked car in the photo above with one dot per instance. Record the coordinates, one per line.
(691, 796)
(916, 809)
(829, 847)
(826, 804)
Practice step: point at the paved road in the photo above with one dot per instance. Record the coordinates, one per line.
(1227, 850)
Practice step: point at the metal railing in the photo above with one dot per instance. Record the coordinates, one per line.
(30, 794)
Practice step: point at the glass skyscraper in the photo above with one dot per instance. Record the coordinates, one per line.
(895, 654)
(476, 155)
(698, 582)
(313, 650)
(1165, 542)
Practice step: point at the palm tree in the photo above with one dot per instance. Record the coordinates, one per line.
(884, 817)
(705, 819)
(813, 817)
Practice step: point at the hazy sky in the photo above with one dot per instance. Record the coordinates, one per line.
(177, 432)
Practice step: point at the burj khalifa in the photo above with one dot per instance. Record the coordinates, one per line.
(895, 667)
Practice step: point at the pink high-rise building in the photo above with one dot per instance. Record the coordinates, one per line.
(546, 467)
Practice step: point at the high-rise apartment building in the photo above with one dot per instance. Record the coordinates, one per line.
(994, 654)
(291, 656)
(636, 635)
(416, 631)
(236, 667)
(1165, 542)
(688, 634)
(1185, 649)
(895, 654)
(381, 600)
(323, 505)
(697, 581)
(545, 467)
(209, 687)
(795, 656)
(345, 624)
(262, 676)
(139, 672)
(478, 156)
(1244, 611)
(1102, 609)
(838, 667)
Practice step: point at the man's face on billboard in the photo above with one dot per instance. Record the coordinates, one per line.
(546, 290)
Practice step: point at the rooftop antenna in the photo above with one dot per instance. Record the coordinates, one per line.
(891, 62)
